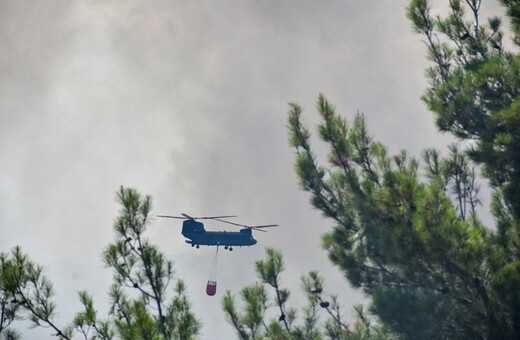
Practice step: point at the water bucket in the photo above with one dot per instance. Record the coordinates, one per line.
(211, 288)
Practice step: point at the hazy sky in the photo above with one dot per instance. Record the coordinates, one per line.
(187, 101)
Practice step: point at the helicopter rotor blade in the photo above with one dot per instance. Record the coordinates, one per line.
(232, 223)
(168, 216)
(188, 217)
(264, 226)
(256, 227)
(214, 217)
(260, 227)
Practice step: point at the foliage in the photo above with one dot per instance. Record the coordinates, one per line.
(252, 322)
(475, 86)
(401, 240)
(9, 306)
(474, 94)
(140, 266)
(26, 293)
(139, 295)
(414, 243)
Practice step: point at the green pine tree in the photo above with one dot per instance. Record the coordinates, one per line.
(154, 309)
(268, 317)
(414, 243)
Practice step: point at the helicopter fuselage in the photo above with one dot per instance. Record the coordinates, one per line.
(197, 235)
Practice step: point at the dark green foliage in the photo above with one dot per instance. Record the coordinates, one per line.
(422, 258)
(475, 87)
(476, 96)
(513, 12)
(414, 243)
(252, 322)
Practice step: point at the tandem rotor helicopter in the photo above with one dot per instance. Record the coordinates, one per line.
(198, 236)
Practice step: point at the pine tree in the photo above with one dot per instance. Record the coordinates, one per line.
(253, 322)
(26, 293)
(153, 310)
(138, 265)
(414, 243)
(400, 239)
(475, 87)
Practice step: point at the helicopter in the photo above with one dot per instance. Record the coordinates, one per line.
(198, 236)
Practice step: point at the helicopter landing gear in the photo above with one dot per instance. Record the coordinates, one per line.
(226, 247)
(198, 246)
(230, 248)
